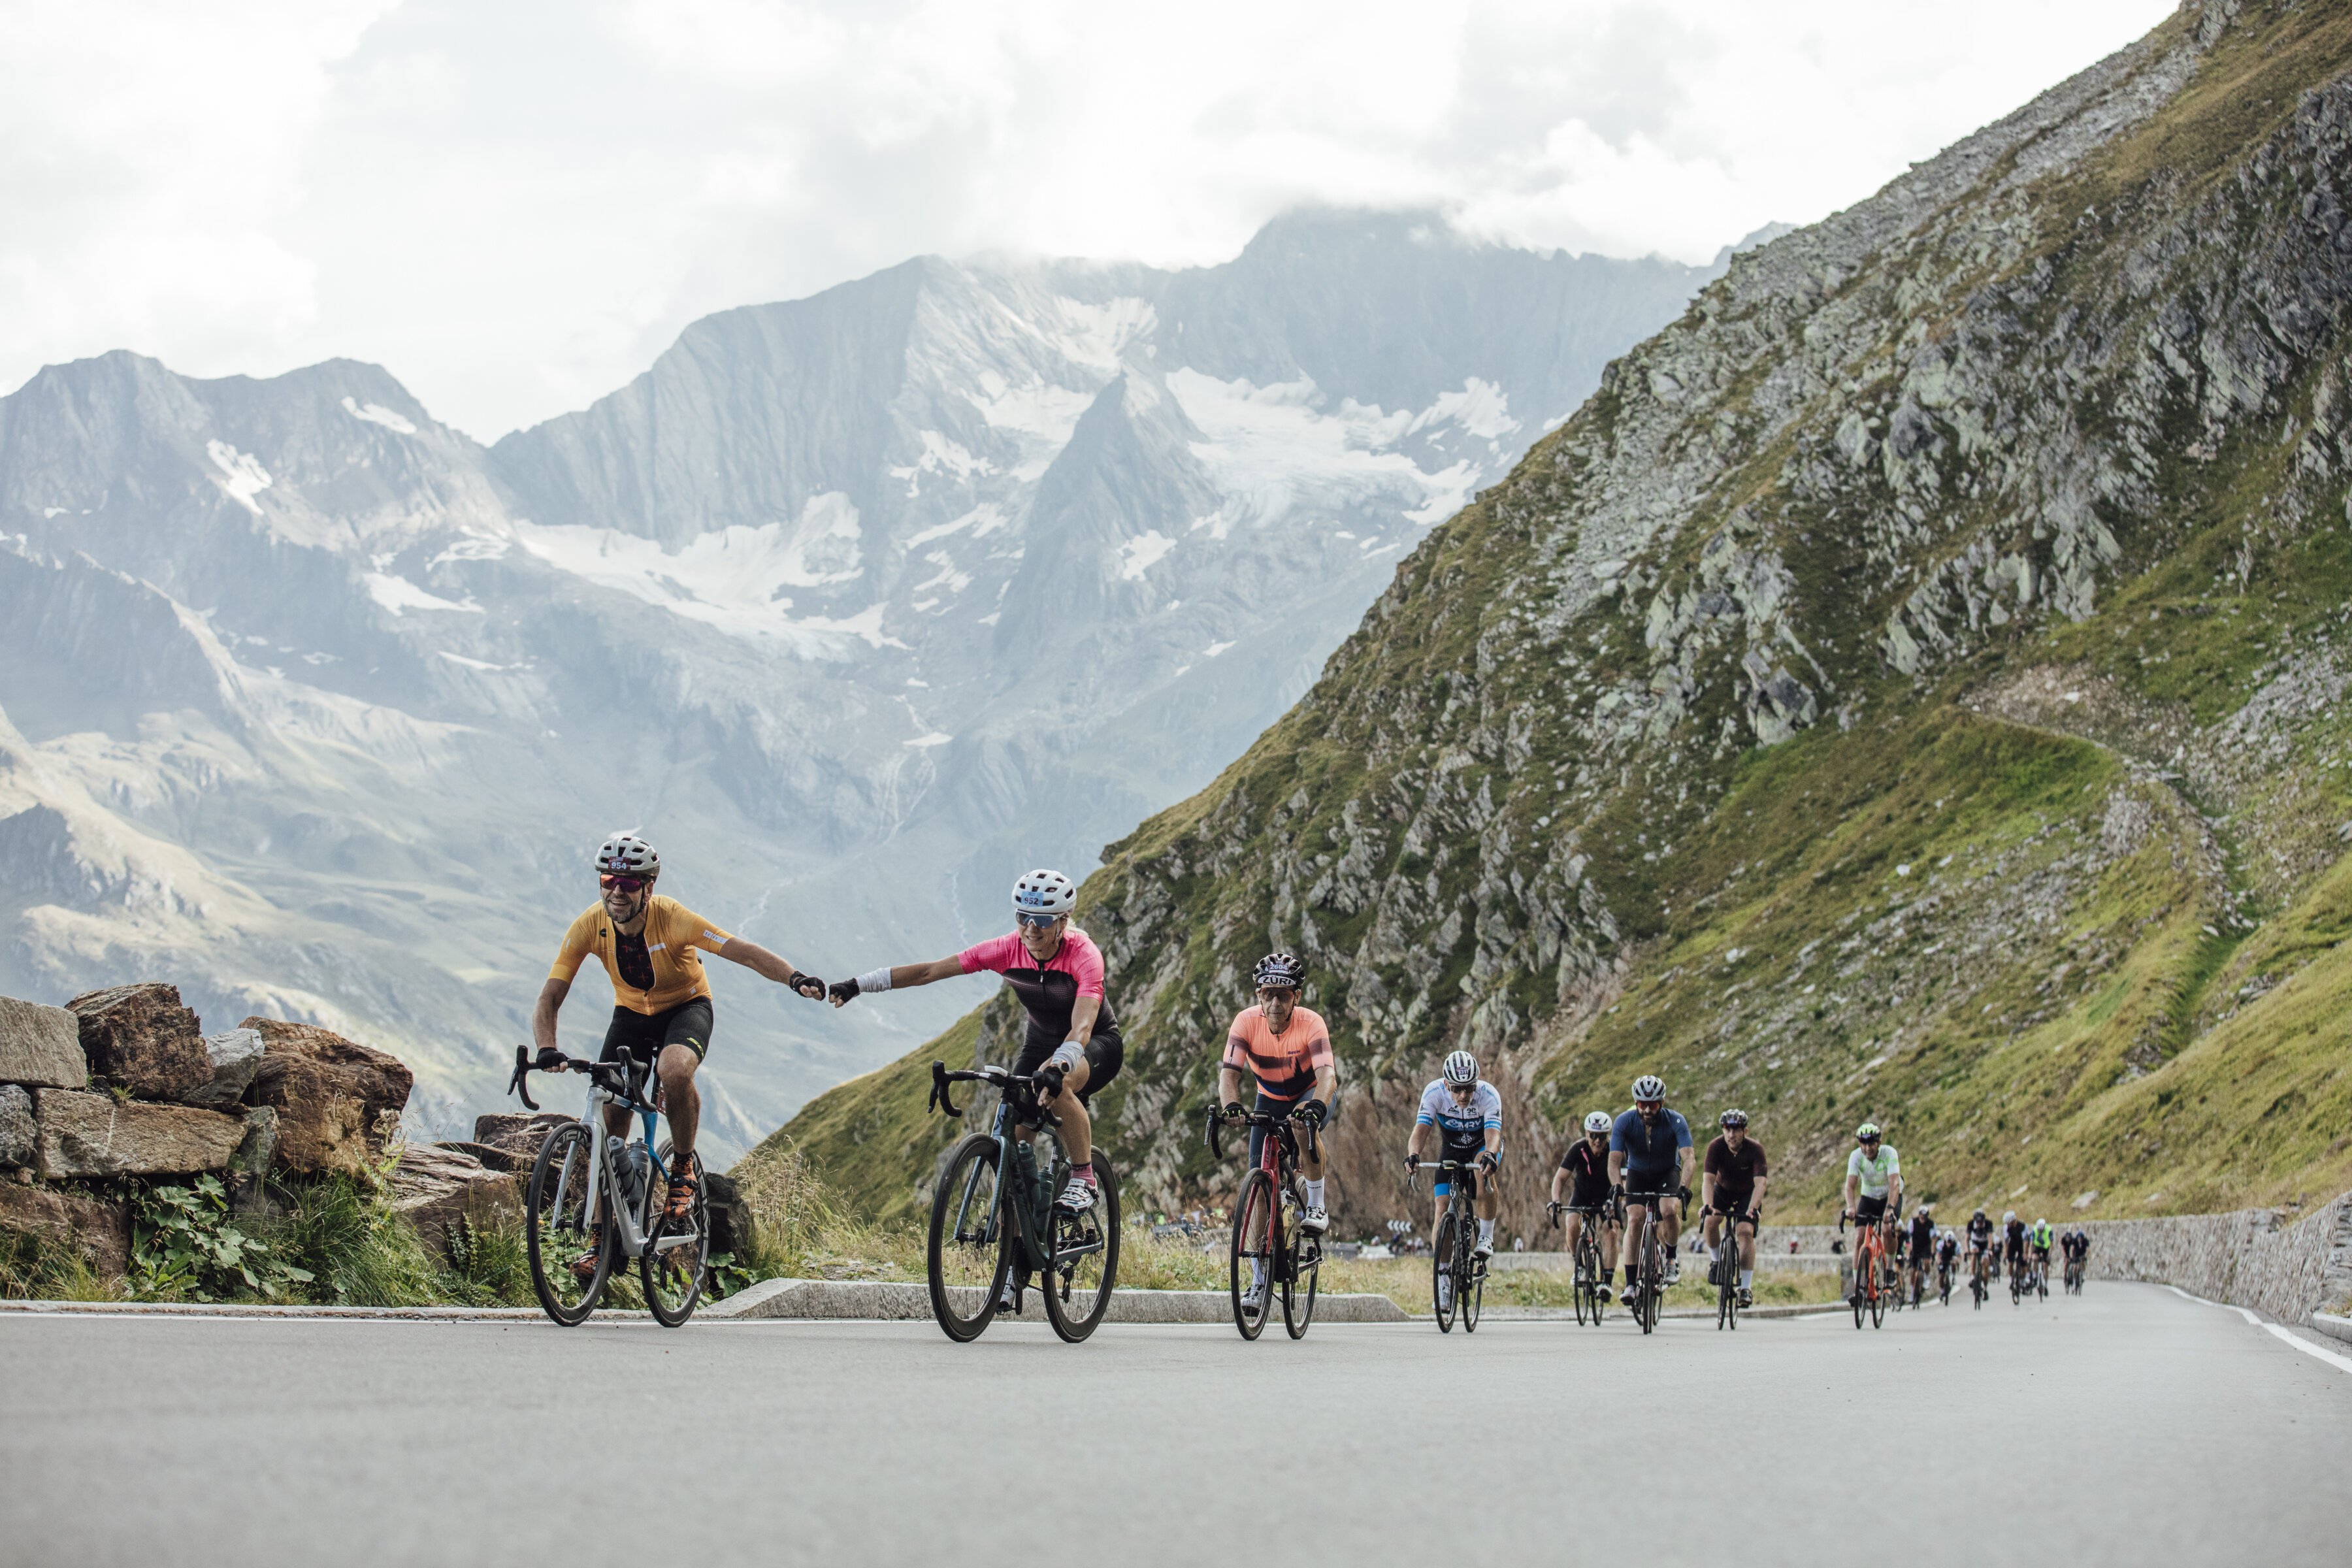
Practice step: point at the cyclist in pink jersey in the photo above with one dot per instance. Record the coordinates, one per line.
(1073, 1043)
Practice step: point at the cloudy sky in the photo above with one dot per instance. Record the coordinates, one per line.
(514, 205)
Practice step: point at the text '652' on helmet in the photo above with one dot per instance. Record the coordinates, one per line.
(1649, 1086)
(1460, 1069)
(626, 855)
(1279, 971)
(1045, 893)
(1599, 1122)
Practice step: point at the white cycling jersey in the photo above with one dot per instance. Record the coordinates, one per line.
(1461, 1123)
(1873, 1172)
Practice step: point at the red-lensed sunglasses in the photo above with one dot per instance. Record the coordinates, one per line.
(626, 884)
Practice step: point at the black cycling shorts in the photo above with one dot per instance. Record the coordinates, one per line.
(1269, 1106)
(1654, 1189)
(1106, 1052)
(1868, 1210)
(1742, 1212)
(644, 1035)
(1468, 1154)
(1592, 1199)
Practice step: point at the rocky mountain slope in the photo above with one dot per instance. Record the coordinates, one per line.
(858, 605)
(1910, 688)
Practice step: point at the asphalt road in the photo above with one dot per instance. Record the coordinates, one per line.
(2130, 1425)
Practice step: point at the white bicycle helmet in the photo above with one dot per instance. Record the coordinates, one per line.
(1042, 892)
(1649, 1086)
(1599, 1122)
(626, 855)
(1461, 1068)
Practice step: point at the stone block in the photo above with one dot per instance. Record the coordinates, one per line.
(520, 1135)
(19, 1137)
(141, 1037)
(730, 1214)
(433, 1184)
(99, 1232)
(338, 1101)
(40, 1047)
(235, 1056)
(248, 1168)
(84, 1134)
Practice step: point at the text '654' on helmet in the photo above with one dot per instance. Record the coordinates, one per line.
(626, 855)
(1045, 893)
(1460, 1069)
(1279, 971)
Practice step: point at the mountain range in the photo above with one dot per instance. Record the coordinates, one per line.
(858, 605)
(1911, 689)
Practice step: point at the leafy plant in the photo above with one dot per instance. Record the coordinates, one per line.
(185, 1245)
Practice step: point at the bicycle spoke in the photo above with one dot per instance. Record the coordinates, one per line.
(570, 1257)
(966, 1247)
(1082, 1262)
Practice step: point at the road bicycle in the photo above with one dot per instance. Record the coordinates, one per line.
(1645, 1281)
(2042, 1277)
(2075, 1277)
(1874, 1280)
(1979, 1282)
(1727, 1270)
(1457, 1276)
(994, 1224)
(2020, 1281)
(1588, 1256)
(1944, 1280)
(595, 1199)
(1271, 1247)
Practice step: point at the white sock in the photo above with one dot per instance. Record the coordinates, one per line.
(1314, 1195)
(1747, 1277)
(1485, 1230)
(1258, 1272)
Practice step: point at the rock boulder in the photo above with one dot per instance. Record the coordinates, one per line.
(338, 1102)
(435, 1184)
(19, 1138)
(519, 1135)
(730, 1215)
(40, 1045)
(235, 1056)
(99, 1232)
(85, 1134)
(144, 1038)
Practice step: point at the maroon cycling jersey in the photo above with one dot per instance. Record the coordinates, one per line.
(1587, 1171)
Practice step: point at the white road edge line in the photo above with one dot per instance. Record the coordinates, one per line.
(2341, 1363)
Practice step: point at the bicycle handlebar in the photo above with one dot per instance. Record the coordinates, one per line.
(942, 1078)
(609, 1076)
(1218, 1120)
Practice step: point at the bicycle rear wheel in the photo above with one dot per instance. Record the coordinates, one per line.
(556, 1227)
(1303, 1254)
(1474, 1292)
(1082, 1259)
(969, 1248)
(1441, 1272)
(676, 1261)
(1252, 1254)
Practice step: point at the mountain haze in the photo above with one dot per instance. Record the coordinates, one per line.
(1910, 688)
(857, 605)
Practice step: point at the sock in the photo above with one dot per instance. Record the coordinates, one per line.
(1609, 1277)
(1485, 1230)
(1670, 1249)
(1314, 1195)
(1747, 1277)
(1258, 1272)
(1086, 1173)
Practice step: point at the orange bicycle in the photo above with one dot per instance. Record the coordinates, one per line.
(1873, 1282)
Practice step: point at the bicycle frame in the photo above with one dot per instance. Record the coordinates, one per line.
(1030, 1190)
(1278, 1158)
(609, 1083)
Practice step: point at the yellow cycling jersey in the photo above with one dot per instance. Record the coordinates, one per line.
(652, 972)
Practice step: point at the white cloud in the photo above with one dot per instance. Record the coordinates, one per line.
(515, 206)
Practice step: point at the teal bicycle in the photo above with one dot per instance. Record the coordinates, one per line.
(994, 1226)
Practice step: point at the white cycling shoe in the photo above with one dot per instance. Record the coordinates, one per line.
(1674, 1269)
(1444, 1291)
(1483, 1251)
(1313, 1221)
(1077, 1197)
(1607, 1295)
(1253, 1298)
(1004, 1299)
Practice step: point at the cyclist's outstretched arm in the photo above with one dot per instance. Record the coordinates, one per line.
(761, 962)
(899, 976)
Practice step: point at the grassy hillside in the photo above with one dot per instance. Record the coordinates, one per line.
(1911, 688)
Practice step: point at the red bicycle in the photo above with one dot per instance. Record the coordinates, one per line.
(1873, 1282)
(1272, 1251)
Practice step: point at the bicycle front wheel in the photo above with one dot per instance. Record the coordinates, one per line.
(570, 1255)
(1585, 1284)
(1441, 1271)
(970, 1245)
(1473, 1292)
(1304, 1254)
(676, 1263)
(1082, 1263)
(1250, 1270)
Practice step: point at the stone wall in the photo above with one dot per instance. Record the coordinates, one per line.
(2249, 1259)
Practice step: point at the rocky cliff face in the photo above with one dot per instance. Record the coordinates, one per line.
(1908, 688)
(858, 605)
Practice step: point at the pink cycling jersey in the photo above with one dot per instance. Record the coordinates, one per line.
(1049, 990)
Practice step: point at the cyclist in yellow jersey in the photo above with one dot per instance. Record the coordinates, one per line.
(652, 948)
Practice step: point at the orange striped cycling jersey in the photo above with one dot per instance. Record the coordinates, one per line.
(653, 971)
(1284, 1064)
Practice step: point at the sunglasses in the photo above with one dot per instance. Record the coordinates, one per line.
(626, 884)
(1037, 922)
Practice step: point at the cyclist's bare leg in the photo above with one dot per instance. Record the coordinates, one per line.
(1310, 1160)
(1746, 1235)
(1077, 1127)
(1608, 1250)
(681, 1103)
(1637, 1215)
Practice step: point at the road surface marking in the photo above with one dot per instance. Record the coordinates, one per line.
(2341, 1363)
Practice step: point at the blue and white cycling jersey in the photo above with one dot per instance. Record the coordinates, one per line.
(1461, 1125)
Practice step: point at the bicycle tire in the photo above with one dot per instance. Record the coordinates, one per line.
(1305, 1262)
(1645, 1305)
(969, 1188)
(660, 1267)
(1081, 1313)
(563, 1160)
(1588, 1281)
(1861, 1290)
(1726, 1280)
(1253, 1211)
(1441, 1271)
(1473, 1294)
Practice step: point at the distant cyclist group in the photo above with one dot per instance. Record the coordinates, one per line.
(1003, 1222)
